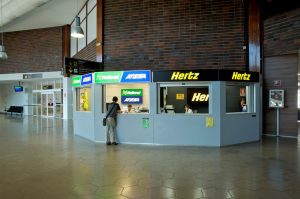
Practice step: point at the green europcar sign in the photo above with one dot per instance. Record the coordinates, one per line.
(132, 92)
(108, 77)
(76, 81)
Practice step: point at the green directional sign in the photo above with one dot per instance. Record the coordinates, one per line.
(131, 92)
(108, 77)
(76, 81)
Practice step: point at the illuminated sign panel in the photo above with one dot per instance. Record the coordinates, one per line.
(123, 77)
(108, 77)
(131, 96)
(87, 79)
(197, 96)
(136, 76)
(185, 75)
(238, 76)
(205, 75)
(76, 81)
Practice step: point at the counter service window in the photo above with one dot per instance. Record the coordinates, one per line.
(83, 99)
(133, 98)
(184, 99)
(239, 98)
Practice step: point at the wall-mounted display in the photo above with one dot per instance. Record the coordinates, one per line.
(276, 98)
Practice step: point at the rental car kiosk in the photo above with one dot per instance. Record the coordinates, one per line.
(224, 107)
(83, 107)
(133, 91)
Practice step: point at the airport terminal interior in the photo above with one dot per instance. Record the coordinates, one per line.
(119, 99)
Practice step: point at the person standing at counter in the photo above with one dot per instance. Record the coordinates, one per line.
(129, 109)
(188, 109)
(111, 121)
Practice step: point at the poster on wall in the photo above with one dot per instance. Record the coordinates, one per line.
(276, 98)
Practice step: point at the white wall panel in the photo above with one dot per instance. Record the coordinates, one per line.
(82, 14)
(82, 41)
(73, 44)
(92, 26)
(91, 4)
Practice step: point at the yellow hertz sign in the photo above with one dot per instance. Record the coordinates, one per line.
(241, 76)
(199, 97)
(185, 76)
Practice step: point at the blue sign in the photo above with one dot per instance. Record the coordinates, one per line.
(87, 79)
(136, 76)
(131, 100)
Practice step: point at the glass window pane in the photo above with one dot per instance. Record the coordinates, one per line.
(83, 99)
(184, 99)
(133, 98)
(239, 98)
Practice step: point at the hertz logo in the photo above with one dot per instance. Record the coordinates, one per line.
(185, 76)
(240, 76)
(199, 97)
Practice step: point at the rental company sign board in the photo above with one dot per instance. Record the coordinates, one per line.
(82, 80)
(131, 96)
(76, 81)
(74, 66)
(137, 76)
(87, 79)
(205, 75)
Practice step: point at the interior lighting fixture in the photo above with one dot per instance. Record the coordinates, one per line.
(77, 31)
(3, 54)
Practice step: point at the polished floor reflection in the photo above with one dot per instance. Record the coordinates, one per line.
(40, 158)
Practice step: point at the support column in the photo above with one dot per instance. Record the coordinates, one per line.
(67, 98)
(254, 35)
(99, 47)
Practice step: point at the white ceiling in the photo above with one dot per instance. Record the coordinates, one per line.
(32, 14)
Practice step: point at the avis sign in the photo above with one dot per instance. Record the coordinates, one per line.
(131, 96)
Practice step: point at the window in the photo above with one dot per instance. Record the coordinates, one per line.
(133, 98)
(239, 98)
(83, 99)
(184, 99)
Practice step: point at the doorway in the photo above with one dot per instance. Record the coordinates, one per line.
(48, 104)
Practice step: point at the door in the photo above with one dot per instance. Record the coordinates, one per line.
(48, 105)
(283, 68)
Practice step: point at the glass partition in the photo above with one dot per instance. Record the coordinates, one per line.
(239, 98)
(189, 99)
(133, 98)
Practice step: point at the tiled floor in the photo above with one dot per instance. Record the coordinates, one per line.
(40, 158)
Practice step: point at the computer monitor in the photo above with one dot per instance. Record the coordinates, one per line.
(18, 89)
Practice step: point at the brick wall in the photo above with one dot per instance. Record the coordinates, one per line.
(88, 53)
(38, 50)
(173, 34)
(282, 34)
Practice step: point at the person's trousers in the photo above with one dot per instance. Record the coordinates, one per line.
(110, 129)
